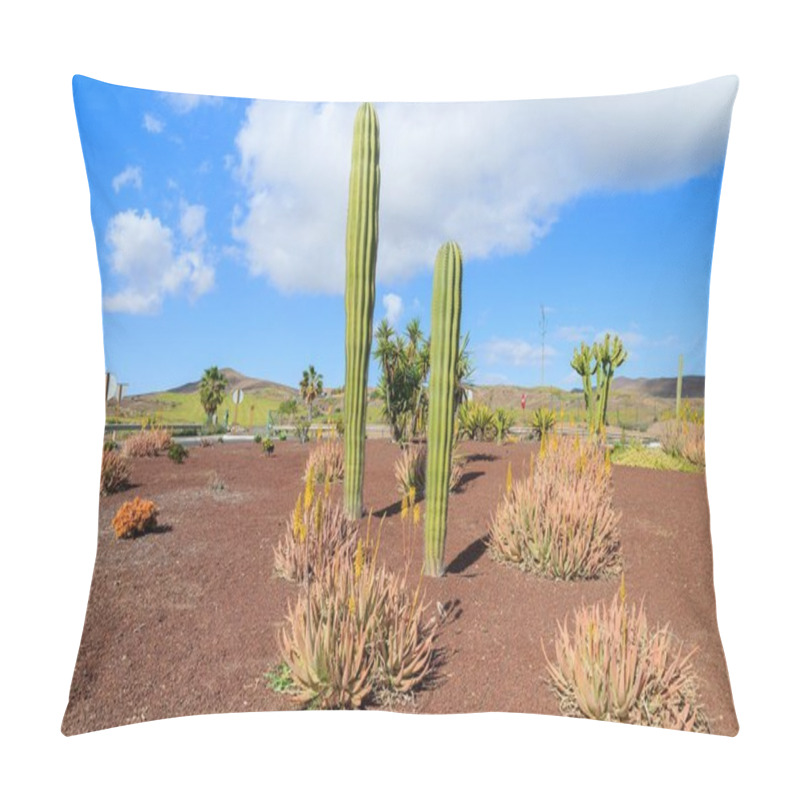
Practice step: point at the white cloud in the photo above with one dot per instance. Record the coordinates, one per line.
(146, 260)
(129, 176)
(152, 124)
(516, 352)
(575, 333)
(193, 222)
(492, 176)
(393, 307)
(184, 103)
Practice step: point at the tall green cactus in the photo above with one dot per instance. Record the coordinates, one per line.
(601, 359)
(610, 355)
(359, 299)
(445, 325)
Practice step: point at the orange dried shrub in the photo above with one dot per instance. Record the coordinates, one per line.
(134, 517)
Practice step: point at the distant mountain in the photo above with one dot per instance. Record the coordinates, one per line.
(237, 381)
(694, 386)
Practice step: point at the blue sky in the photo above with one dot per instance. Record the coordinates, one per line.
(220, 228)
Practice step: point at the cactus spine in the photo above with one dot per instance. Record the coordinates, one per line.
(445, 325)
(361, 255)
(679, 387)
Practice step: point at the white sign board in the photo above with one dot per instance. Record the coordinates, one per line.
(237, 395)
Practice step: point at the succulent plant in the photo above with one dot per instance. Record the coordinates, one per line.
(445, 325)
(361, 256)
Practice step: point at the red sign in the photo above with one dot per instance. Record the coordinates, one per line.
(523, 401)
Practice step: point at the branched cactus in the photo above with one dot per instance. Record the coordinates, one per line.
(361, 255)
(600, 360)
(445, 324)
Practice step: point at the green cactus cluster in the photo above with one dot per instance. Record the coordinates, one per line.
(444, 350)
(598, 361)
(361, 257)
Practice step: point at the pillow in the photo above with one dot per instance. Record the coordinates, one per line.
(477, 484)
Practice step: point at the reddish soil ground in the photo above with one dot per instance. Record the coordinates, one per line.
(185, 620)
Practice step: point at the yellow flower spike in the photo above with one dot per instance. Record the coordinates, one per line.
(404, 506)
(509, 479)
(417, 510)
(351, 605)
(309, 490)
(327, 486)
(297, 517)
(622, 592)
(358, 563)
(412, 496)
(303, 532)
(318, 514)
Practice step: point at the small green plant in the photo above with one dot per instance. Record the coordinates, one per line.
(301, 429)
(268, 446)
(282, 436)
(279, 679)
(503, 420)
(543, 420)
(177, 453)
(258, 438)
(109, 444)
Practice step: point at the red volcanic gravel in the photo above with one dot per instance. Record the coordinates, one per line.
(185, 620)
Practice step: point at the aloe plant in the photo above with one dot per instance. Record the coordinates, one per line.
(445, 325)
(361, 256)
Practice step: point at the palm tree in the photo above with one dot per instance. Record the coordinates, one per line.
(310, 387)
(212, 391)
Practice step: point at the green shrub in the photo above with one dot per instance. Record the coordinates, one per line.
(268, 446)
(543, 420)
(177, 452)
(257, 438)
(476, 421)
(635, 454)
(301, 429)
(503, 420)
